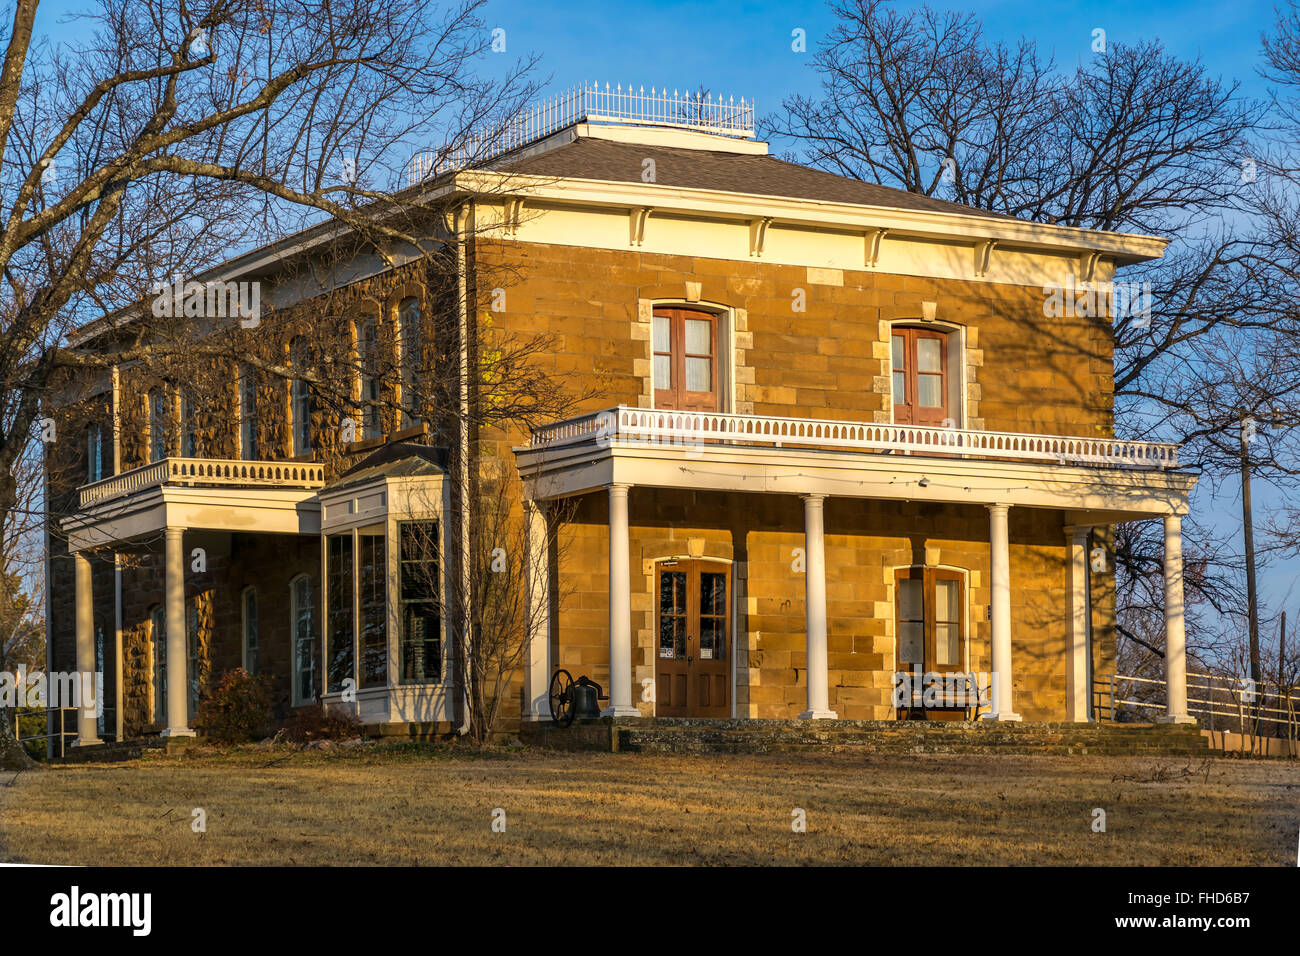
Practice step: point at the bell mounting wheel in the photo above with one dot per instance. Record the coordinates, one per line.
(562, 705)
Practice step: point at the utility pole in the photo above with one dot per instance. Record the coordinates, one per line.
(1248, 527)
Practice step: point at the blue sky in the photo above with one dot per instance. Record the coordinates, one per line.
(744, 49)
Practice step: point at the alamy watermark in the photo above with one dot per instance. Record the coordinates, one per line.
(1117, 300)
(209, 300)
(83, 690)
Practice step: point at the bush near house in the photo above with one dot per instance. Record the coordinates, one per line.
(238, 709)
(320, 723)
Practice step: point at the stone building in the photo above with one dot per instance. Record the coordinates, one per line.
(828, 432)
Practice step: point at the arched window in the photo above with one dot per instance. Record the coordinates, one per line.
(299, 401)
(302, 621)
(412, 360)
(920, 376)
(248, 605)
(189, 431)
(247, 413)
(157, 410)
(686, 351)
(95, 452)
(368, 365)
(158, 652)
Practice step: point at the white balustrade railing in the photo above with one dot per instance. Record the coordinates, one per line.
(205, 471)
(640, 425)
(590, 103)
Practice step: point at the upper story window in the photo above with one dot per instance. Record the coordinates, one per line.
(685, 370)
(368, 364)
(157, 408)
(95, 452)
(920, 376)
(189, 432)
(247, 414)
(299, 402)
(412, 359)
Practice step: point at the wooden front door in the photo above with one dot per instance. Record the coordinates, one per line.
(693, 624)
(929, 620)
(920, 376)
(685, 359)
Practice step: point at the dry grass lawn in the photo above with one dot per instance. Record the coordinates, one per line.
(416, 806)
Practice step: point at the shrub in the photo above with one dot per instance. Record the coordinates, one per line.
(320, 723)
(238, 709)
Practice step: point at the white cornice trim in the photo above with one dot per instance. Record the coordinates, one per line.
(837, 216)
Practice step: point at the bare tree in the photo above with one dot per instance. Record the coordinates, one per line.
(1132, 139)
(179, 133)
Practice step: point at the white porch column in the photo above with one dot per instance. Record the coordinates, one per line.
(815, 609)
(87, 723)
(620, 609)
(1000, 606)
(178, 724)
(1175, 636)
(537, 672)
(1076, 634)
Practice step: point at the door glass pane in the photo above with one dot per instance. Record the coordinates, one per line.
(699, 375)
(713, 615)
(930, 390)
(900, 351)
(945, 644)
(929, 355)
(699, 337)
(900, 388)
(672, 614)
(663, 371)
(710, 638)
(910, 639)
(945, 602)
(713, 593)
(661, 337)
(910, 607)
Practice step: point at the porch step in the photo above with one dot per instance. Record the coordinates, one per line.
(111, 752)
(667, 735)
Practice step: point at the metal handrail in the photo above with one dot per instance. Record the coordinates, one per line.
(62, 733)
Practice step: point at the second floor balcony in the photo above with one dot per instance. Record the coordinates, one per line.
(1112, 478)
(215, 494)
